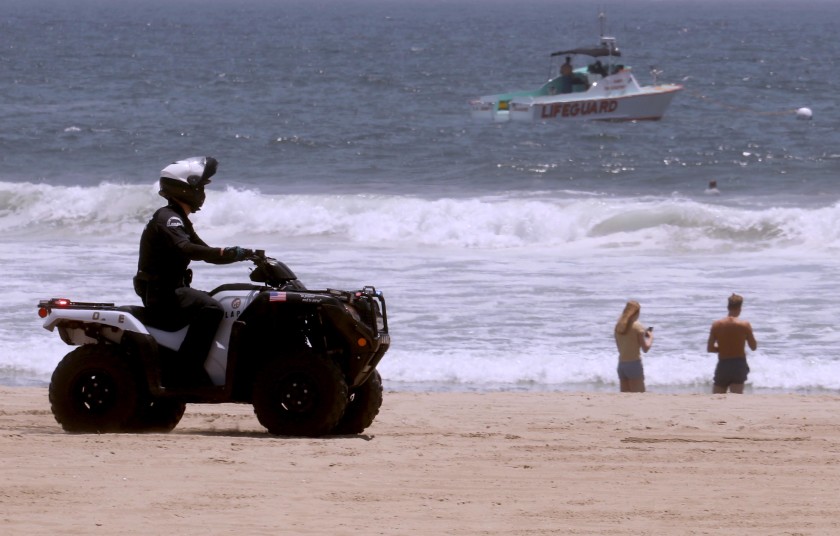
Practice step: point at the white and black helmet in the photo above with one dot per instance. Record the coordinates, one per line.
(184, 180)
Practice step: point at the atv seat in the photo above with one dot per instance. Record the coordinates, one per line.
(166, 324)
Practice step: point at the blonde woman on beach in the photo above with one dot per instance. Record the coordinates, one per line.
(632, 339)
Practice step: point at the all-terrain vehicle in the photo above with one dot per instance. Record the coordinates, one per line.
(305, 359)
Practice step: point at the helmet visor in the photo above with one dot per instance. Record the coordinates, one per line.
(197, 180)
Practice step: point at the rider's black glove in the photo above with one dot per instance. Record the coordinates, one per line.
(237, 253)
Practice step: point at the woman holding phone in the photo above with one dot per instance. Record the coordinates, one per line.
(631, 339)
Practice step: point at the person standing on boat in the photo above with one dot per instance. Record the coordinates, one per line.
(598, 68)
(566, 73)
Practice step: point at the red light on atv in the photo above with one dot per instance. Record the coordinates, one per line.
(361, 342)
(62, 302)
(42, 312)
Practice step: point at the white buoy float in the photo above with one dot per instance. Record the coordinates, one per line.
(803, 113)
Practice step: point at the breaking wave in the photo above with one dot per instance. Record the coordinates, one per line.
(554, 220)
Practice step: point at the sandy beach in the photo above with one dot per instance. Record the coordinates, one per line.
(432, 463)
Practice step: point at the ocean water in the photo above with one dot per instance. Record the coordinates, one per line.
(505, 251)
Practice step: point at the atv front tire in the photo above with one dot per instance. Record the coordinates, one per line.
(303, 395)
(93, 390)
(363, 406)
(157, 415)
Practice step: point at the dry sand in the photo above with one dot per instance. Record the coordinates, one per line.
(469, 464)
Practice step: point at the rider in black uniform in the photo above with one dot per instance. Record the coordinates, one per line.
(167, 246)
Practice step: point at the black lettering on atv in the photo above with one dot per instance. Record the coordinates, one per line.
(96, 315)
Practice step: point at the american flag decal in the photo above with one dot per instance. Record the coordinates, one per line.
(276, 296)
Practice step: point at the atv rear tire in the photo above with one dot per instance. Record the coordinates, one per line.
(93, 390)
(304, 395)
(363, 406)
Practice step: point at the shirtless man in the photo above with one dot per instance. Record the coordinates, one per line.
(726, 339)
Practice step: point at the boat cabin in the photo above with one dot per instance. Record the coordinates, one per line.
(582, 78)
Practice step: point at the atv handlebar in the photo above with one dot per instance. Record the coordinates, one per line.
(254, 254)
(248, 254)
(271, 271)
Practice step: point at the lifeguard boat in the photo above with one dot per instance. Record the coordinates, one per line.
(603, 90)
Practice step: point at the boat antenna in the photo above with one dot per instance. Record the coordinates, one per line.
(606, 41)
(602, 21)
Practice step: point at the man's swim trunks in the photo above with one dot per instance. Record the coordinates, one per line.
(631, 370)
(732, 370)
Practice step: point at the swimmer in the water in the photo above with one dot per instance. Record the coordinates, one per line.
(712, 189)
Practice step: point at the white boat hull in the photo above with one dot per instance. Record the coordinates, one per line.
(615, 98)
(647, 106)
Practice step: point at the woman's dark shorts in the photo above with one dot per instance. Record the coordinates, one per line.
(731, 371)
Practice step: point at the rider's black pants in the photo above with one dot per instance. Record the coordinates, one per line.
(205, 314)
(172, 309)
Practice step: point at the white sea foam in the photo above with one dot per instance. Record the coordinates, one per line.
(526, 318)
(497, 222)
(505, 290)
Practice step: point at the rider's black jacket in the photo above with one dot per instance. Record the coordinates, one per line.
(167, 246)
